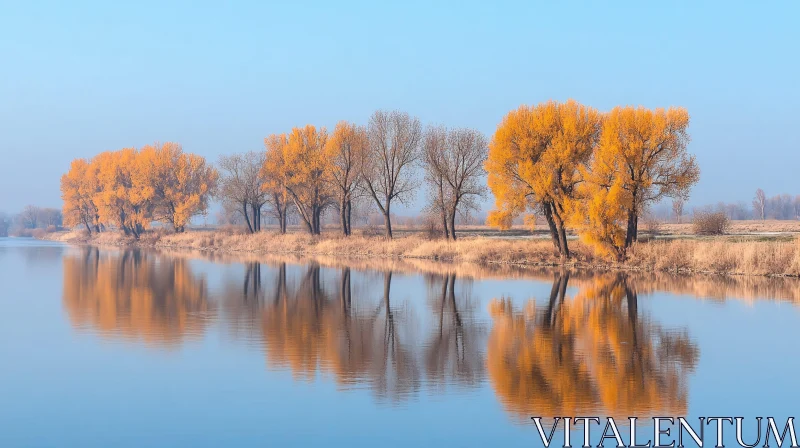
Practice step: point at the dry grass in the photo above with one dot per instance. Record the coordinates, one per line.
(719, 255)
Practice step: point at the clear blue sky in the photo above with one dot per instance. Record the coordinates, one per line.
(77, 78)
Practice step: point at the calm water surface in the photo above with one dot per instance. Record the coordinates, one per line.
(122, 348)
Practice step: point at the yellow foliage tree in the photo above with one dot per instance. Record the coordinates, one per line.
(130, 188)
(308, 174)
(640, 160)
(180, 184)
(122, 199)
(274, 172)
(346, 150)
(78, 186)
(535, 160)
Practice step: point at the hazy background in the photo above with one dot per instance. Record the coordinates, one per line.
(78, 78)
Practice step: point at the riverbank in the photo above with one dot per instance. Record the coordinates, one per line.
(716, 255)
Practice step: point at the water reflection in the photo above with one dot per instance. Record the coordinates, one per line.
(587, 349)
(135, 295)
(454, 351)
(308, 326)
(591, 354)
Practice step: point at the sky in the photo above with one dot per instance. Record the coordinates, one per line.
(78, 78)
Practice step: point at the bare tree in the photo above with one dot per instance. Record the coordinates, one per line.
(796, 203)
(240, 186)
(760, 203)
(29, 217)
(50, 217)
(454, 170)
(5, 223)
(388, 171)
(677, 209)
(229, 215)
(433, 151)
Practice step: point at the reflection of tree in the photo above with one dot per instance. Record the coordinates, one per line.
(135, 294)
(34, 255)
(308, 329)
(588, 355)
(453, 350)
(355, 329)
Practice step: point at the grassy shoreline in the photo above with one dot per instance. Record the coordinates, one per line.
(717, 255)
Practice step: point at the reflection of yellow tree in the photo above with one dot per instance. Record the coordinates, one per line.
(590, 354)
(135, 295)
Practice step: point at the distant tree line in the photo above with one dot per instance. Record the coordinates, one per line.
(30, 219)
(778, 207)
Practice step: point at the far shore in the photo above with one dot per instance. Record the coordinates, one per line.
(759, 249)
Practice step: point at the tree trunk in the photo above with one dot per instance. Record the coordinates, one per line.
(563, 248)
(343, 216)
(246, 217)
(551, 224)
(256, 226)
(453, 221)
(388, 222)
(630, 235)
(315, 217)
(349, 217)
(445, 227)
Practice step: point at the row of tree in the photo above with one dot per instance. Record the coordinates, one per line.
(308, 171)
(132, 188)
(578, 168)
(780, 207)
(591, 171)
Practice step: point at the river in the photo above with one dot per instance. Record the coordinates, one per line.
(105, 347)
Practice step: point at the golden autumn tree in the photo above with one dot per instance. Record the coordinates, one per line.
(130, 188)
(274, 173)
(78, 186)
(641, 159)
(308, 174)
(346, 150)
(535, 160)
(122, 198)
(180, 183)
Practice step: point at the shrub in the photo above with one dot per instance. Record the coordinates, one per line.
(707, 223)
(652, 225)
(431, 228)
